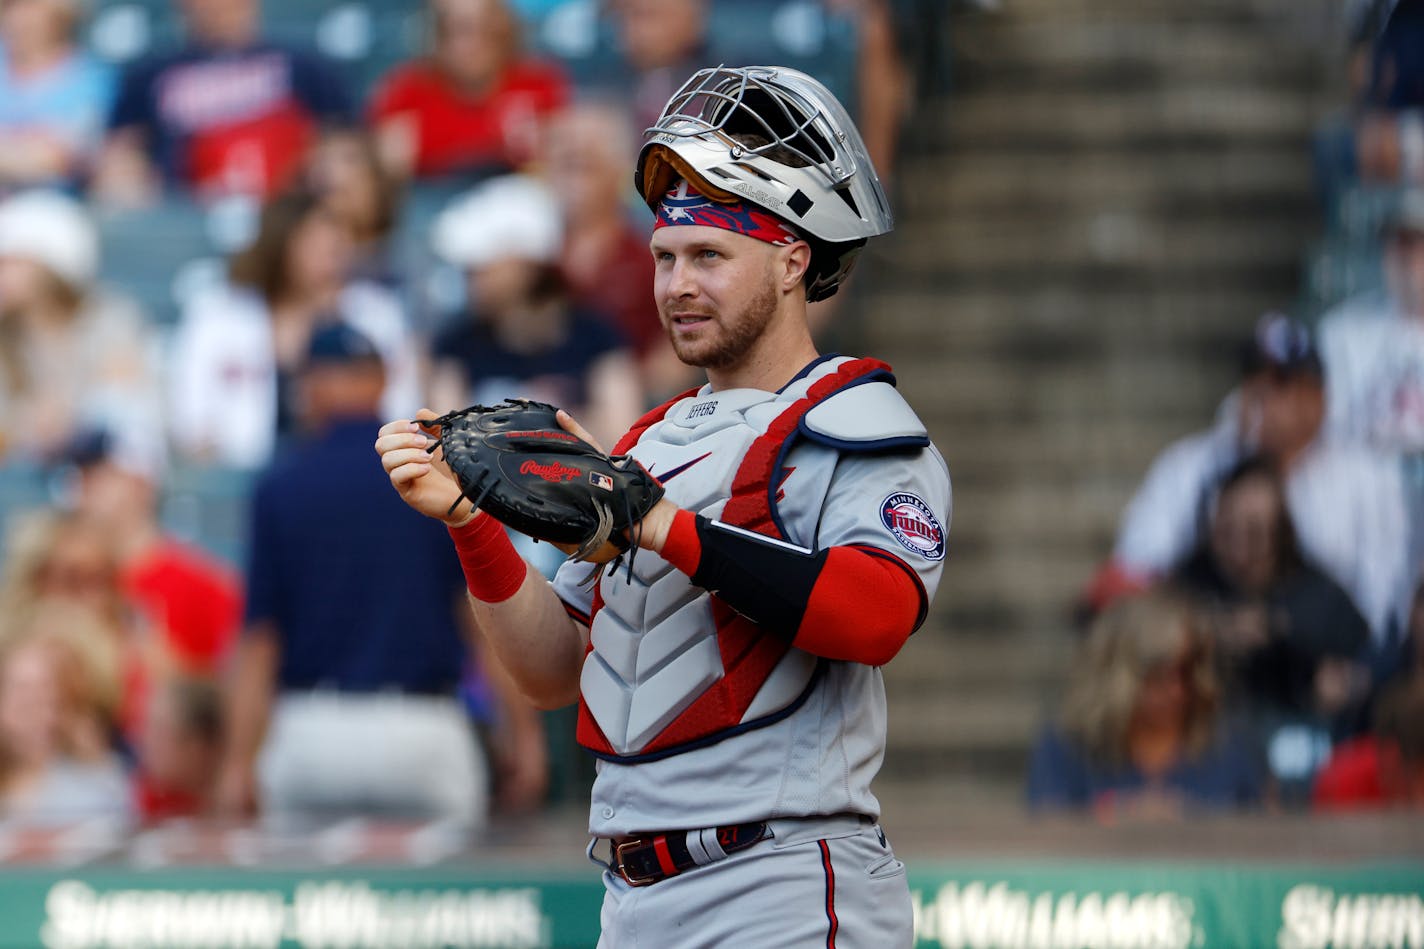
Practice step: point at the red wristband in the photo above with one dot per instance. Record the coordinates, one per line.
(682, 547)
(494, 571)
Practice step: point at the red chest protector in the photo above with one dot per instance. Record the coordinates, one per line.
(748, 654)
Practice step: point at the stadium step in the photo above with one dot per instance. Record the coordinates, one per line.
(1058, 317)
(1186, 181)
(1089, 225)
(1210, 240)
(1222, 113)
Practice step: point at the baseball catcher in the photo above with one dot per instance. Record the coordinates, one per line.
(792, 518)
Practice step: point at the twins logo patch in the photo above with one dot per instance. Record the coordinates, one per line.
(914, 525)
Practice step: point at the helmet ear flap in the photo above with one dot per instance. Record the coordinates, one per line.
(830, 265)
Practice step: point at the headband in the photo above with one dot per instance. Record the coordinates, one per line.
(684, 206)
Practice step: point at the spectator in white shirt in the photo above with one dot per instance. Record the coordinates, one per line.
(1373, 346)
(239, 345)
(1347, 502)
(73, 354)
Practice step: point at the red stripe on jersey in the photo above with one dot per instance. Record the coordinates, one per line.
(756, 483)
(748, 656)
(832, 923)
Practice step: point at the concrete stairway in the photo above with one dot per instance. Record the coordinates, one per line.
(1112, 193)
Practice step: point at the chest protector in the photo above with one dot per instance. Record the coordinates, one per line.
(670, 667)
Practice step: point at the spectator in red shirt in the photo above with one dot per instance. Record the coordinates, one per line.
(1384, 769)
(193, 601)
(474, 104)
(605, 257)
(180, 749)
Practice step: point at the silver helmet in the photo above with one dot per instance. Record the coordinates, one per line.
(778, 139)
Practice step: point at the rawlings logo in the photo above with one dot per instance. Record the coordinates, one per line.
(553, 436)
(550, 472)
(913, 524)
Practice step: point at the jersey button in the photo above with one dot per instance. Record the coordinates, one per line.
(608, 812)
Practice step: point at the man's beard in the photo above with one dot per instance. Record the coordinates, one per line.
(739, 334)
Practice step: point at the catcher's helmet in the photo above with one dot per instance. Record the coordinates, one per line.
(778, 139)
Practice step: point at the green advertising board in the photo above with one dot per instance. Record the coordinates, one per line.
(1068, 905)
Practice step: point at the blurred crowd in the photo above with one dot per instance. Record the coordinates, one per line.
(456, 226)
(1256, 639)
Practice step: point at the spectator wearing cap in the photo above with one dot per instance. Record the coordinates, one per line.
(474, 105)
(54, 97)
(1347, 503)
(70, 352)
(228, 113)
(338, 703)
(239, 345)
(1373, 346)
(520, 336)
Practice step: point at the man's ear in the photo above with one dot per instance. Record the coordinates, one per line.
(796, 261)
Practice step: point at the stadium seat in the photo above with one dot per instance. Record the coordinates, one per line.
(365, 38)
(573, 32)
(23, 488)
(433, 289)
(208, 507)
(1336, 271)
(126, 31)
(1358, 212)
(802, 34)
(158, 254)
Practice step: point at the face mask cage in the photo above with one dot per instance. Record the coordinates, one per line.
(756, 116)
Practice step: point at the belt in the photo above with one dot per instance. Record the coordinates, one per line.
(651, 858)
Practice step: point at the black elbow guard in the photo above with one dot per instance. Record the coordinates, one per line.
(766, 580)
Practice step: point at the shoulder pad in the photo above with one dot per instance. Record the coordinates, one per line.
(868, 417)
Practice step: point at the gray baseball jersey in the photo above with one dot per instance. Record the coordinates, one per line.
(660, 686)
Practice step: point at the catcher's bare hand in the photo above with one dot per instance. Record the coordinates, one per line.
(422, 479)
(655, 524)
(569, 424)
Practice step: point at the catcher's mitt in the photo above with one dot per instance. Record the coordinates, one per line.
(516, 463)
